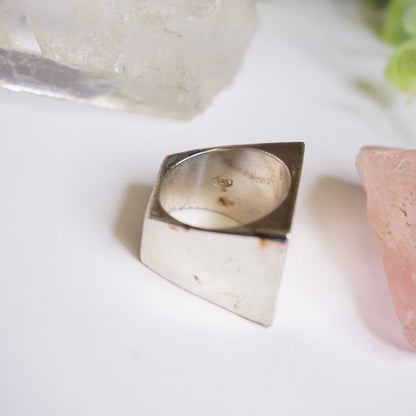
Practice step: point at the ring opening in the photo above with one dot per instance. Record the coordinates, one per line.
(224, 188)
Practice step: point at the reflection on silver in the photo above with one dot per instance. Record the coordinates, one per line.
(225, 243)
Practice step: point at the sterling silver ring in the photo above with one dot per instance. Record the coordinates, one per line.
(218, 222)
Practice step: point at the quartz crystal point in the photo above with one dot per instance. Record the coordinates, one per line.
(389, 178)
(165, 57)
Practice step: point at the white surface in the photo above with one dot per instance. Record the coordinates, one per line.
(85, 329)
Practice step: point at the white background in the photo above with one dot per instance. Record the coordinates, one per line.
(85, 329)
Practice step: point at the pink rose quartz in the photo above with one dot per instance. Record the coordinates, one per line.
(389, 179)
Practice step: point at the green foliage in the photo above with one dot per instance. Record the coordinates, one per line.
(400, 29)
(395, 28)
(401, 69)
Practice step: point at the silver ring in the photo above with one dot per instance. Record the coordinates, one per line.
(218, 222)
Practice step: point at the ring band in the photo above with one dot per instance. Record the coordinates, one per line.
(218, 222)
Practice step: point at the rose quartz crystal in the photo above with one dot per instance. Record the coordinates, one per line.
(389, 178)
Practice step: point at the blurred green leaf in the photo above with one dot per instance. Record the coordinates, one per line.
(401, 68)
(409, 20)
(394, 30)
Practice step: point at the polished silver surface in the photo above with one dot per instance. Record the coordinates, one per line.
(218, 222)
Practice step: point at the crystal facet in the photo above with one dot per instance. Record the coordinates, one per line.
(389, 178)
(161, 57)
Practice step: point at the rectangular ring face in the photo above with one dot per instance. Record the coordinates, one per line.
(237, 267)
(239, 273)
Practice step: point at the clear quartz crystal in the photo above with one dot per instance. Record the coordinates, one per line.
(163, 57)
